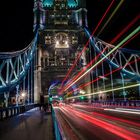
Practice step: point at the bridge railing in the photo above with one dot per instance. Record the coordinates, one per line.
(109, 104)
(57, 127)
(123, 104)
(122, 57)
(15, 65)
(13, 111)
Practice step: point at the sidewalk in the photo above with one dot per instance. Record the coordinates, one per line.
(31, 125)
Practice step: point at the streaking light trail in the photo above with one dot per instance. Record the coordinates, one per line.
(85, 68)
(119, 131)
(114, 12)
(107, 74)
(123, 111)
(103, 16)
(114, 49)
(117, 119)
(79, 55)
(110, 90)
(125, 29)
(92, 69)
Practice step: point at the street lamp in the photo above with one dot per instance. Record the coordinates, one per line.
(23, 95)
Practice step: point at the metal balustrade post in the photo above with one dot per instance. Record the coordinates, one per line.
(103, 73)
(24, 81)
(90, 58)
(123, 84)
(137, 71)
(28, 88)
(6, 96)
(96, 70)
(17, 95)
(8, 71)
(112, 84)
(31, 84)
(122, 76)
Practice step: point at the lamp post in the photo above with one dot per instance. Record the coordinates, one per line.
(23, 96)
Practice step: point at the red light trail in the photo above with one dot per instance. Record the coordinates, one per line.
(85, 47)
(103, 16)
(67, 86)
(84, 69)
(117, 119)
(117, 130)
(125, 29)
(88, 83)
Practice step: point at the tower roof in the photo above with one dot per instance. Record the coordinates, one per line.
(71, 3)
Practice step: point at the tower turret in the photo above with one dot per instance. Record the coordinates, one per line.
(59, 12)
(61, 39)
(39, 15)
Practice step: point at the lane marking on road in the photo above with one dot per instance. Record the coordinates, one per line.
(122, 111)
(133, 110)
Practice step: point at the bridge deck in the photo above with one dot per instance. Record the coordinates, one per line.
(32, 125)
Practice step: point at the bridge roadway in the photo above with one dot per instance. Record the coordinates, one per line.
(31, 125)
(76, 122)
(82, 122)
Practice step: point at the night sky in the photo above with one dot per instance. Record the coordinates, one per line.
(17, 20)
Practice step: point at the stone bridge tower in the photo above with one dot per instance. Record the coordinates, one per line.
(61, 38)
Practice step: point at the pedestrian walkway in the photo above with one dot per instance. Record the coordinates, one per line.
(31, 125)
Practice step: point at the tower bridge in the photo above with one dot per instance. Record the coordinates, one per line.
(66, 60)
(61, 38)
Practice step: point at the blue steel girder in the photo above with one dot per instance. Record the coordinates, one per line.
(100, 45)
(15, 65)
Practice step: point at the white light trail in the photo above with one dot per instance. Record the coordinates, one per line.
(105, 91)
(114, 49)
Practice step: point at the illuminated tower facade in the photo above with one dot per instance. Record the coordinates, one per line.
(61, 38)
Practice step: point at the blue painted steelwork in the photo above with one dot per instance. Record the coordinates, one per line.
(130, 51)
(16, 65)
(55, 83)
(47, 3)
(128, 73)
(56, 126)
(71, 3)
(51, 86)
